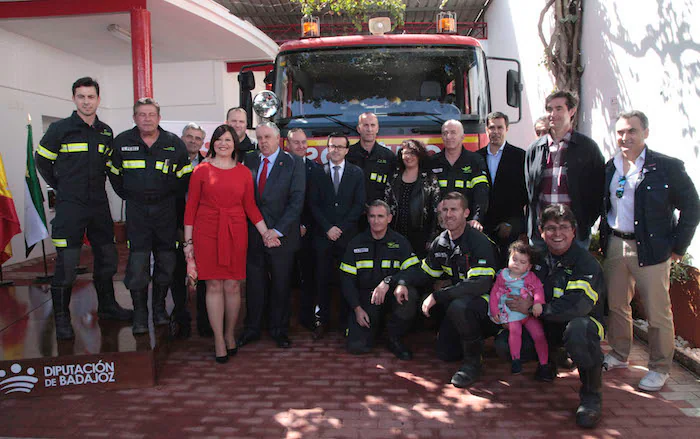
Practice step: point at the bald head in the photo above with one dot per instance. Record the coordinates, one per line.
(452, 135)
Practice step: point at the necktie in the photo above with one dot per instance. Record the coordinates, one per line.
(263, 176)
(336, 178)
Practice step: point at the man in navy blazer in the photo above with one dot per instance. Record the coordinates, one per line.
(505, 165)
(280, 184)
(304, 263)
(337, 202)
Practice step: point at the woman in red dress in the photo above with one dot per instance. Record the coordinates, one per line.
(220, 198)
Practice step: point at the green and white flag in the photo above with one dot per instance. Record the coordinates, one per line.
(34, 215)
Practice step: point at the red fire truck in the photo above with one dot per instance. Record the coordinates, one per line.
(413, 83)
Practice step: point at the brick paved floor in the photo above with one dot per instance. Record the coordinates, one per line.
(317, 390)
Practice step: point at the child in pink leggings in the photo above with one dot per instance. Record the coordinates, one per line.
(517, 280)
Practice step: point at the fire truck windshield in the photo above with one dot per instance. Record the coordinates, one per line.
(404, 86)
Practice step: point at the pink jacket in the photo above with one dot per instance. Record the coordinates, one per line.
(533, 288)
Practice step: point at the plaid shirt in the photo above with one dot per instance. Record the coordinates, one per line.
(554, 187)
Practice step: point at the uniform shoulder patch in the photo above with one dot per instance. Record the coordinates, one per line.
(467, 169)
(481, 261)
(361, 250)
(169, 148)
(392, 244)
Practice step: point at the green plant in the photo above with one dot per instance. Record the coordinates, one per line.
(357, 11)
(679, 270)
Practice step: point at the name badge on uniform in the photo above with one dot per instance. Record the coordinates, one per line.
(130, 148)
(437, 170)
(361, 250)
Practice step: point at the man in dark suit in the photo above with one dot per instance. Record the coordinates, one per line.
(280, 183)
(505, 165)
(337, 201)
(297, 145)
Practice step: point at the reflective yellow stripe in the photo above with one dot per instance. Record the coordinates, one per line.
(128, 244)
(159, 165)
(383, 178)
(386, 263)
(373, 176)
(585, 286)
(601, 331)
(101, 148)
(476, 180)
(430, 271)
(46, 153)
(134, 164)
(481, 271)
(442, 183)
(61, 243)
(113, 169)
(485, 297)
(74, 147)
(365, 264)
(348, 268)
(447, 270)
(558, 292)
(397, 264)
(187, 169)
(413, 260)
(459, 184)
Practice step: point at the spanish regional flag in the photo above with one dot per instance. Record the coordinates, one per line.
(9, 222)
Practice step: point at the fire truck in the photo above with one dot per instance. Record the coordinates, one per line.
(412, 83)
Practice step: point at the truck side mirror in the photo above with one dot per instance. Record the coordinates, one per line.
(513, 88)
(246, 83)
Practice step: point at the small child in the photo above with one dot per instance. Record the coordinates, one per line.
(518, 281)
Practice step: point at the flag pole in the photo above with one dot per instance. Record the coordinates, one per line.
(46, 278)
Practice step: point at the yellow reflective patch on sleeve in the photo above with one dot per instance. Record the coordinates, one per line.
(601, 331)
(60, 243)
(557, 293)
(46, 153)
(413, 260)
(187, 169)
(481, 271)
(348, 268)
(585, 286)
(430, 271)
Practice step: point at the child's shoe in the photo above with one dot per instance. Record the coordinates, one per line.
(516, 367)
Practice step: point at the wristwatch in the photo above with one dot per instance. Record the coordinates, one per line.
(387, 280)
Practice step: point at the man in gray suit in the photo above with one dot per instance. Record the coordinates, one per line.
(280, 183)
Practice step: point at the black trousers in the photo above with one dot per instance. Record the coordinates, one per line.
(70, 224)
(399, 322)
(150, 228)
(268, 283)
(466, 322)
(304, 266)
(327, 257)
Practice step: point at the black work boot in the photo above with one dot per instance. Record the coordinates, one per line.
(107, 306)
(470, 371)
(589, 411)
(61, 312)
(140, 323)
(160, 315)
(400, 350)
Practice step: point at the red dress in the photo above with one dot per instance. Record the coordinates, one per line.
(217, 205)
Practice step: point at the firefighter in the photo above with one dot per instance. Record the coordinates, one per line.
(457, 169)
(150, 169)
(72, 158)
(467, 258)
(370, 262)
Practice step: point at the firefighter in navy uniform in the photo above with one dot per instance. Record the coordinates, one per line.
(457, 169)
(377, 162)
(72, 158)
(150, 169)
(370, 261)
(467, 258)
(573, 313)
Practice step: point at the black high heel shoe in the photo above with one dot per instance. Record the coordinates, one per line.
(222, 360)
(232, 352)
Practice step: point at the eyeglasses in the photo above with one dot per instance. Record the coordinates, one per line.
(332, 145)
(620, 191)
(560, 228)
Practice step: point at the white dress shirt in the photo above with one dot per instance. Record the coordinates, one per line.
(621, 214)
(493, 160)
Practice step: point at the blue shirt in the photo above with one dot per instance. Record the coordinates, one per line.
(272, 158)
(492, 160)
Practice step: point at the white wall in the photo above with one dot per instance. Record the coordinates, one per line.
(646, 59)
(36, 79)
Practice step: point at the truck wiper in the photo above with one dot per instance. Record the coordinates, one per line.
(433, 116)
(331, 117)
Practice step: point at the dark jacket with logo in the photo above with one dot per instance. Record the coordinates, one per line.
(573, 286)
(468, 175)
(149, 174)
(379, 165)
(72, 158)
(663, 188)
(470, 266)
(368, 261)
